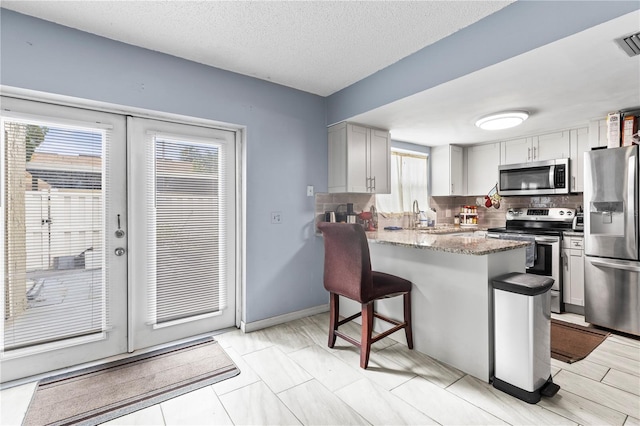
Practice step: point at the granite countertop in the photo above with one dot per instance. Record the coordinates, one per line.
(448, 243)
(449, 229)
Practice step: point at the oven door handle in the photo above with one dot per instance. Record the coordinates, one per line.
(633, 267)
(546, 240)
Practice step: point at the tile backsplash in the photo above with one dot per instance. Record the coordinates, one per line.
(446, 207)
(330, 202)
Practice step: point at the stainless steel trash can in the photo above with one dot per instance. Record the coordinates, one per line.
(522, 336)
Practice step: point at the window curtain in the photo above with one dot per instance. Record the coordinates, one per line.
(409, 179)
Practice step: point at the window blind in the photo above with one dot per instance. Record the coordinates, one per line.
(53, 190)
(186, 206)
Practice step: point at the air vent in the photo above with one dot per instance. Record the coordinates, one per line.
(630, 44)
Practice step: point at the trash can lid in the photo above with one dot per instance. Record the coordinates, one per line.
(527, 284)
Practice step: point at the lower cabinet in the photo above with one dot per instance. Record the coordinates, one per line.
(573, 273)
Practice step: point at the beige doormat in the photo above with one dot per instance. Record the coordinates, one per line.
(98, 394)
(573, 342)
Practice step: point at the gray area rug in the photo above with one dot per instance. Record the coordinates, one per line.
(98, 394)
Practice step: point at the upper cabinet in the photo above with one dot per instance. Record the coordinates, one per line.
(537, 148)
(598, 133)
(446, 170)
(579, 145)
(482, 167)
(359, 159)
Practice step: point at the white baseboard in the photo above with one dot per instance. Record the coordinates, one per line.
(281, 319)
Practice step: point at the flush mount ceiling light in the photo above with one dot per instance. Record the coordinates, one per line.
(502, 120)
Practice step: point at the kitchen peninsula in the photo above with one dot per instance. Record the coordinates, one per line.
(452, 297)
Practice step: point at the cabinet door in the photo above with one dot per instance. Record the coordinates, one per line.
(337, 136)
(379, 159)
(446, 170)
(482, 168)
(597, 133)
(516, 151)
(456, 170)
(439, 166)
(357, 140)
(551, 146)
(576, 264)
(579, 145)
(566, 276)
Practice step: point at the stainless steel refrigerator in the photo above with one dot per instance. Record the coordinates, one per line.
(612, 264)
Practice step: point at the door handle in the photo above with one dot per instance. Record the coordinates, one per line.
(615, 265)
(546, 240)
(119, 251)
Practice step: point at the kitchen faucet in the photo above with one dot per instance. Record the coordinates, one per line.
(416, 214)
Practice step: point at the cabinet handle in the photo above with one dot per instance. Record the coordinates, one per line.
(528, 154)
(373, 184)
(573, 183)
(452, 192)
(534, 153)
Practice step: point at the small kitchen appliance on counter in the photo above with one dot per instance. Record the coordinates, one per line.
(544, 227)
(578, 222)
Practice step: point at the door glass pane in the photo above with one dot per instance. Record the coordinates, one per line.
(189, 255)
(53, 239)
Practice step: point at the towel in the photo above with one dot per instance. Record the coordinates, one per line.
(531, 248)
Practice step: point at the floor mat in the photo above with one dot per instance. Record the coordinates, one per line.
(573, 342)
(98, 394)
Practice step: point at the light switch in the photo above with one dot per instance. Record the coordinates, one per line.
(276, 218)
(309, 190)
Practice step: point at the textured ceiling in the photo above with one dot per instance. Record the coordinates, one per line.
(316, 46)
(323, 46)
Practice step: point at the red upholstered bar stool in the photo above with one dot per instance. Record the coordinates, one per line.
(347, 273)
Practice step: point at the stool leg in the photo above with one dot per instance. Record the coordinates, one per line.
(334, 313)
(407, 319)
(365, 340)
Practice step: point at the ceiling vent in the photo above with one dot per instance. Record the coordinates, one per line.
(630, 44)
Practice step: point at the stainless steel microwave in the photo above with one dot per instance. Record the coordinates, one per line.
(536, 178)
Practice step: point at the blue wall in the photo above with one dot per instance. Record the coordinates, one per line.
(286, 139)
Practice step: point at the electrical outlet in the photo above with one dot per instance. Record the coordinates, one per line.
(309, 190)
(276, 217)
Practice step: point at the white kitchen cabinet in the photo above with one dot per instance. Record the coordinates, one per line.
(579, 145)
(516, 151)
(482, 168)
(573, 273)
(598, 133)
(447, 170)
(549, 146)
(359, 159)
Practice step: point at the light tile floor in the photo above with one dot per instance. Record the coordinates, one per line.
(289, 376)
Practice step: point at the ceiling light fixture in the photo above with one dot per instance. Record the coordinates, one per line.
(502, 120)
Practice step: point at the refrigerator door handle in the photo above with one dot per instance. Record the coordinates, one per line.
(633, 267)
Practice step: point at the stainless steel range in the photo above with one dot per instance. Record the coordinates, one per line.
(543, 227)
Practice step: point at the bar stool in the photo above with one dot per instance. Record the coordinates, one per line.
(347, 273)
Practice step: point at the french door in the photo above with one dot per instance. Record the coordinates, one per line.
(63, 200)
(181, 232)
(119, 234)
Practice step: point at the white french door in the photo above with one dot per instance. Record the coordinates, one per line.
(119, 234)
(182, 231)
(63, 195)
